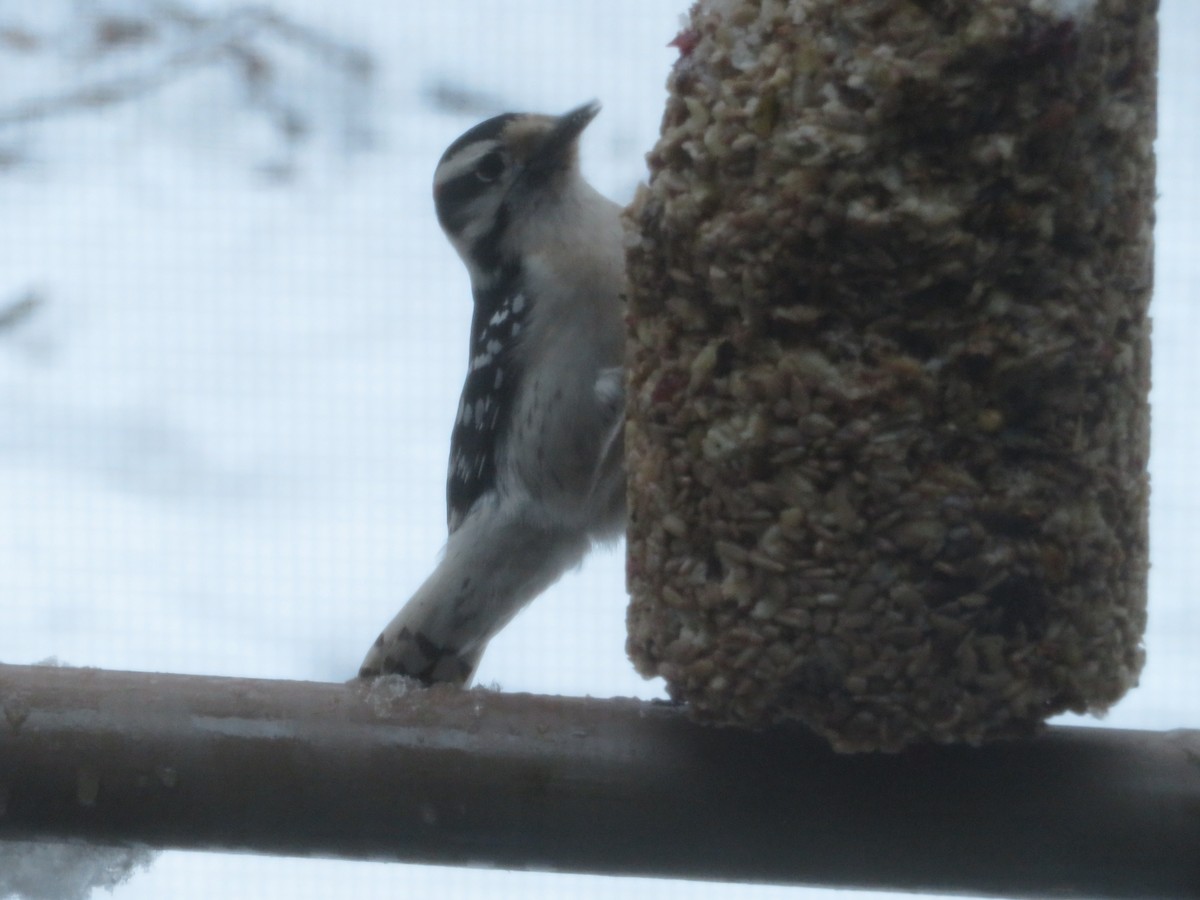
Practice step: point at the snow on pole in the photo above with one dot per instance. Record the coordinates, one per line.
(889, 352)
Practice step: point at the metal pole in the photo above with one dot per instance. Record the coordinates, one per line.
(607, 786)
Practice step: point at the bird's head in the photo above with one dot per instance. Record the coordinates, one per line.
(505, 170)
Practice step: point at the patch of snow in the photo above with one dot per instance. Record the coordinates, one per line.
(50, 871)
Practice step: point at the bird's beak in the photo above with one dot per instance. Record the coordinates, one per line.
(560, 143)
(570, 125)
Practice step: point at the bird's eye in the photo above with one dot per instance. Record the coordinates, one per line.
(489, 167)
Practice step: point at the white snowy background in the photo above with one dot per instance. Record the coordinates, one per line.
(232, 339)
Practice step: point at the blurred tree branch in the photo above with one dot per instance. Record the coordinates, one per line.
(184, 40)
(16, 310)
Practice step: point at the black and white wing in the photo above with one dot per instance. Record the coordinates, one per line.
(486, 401)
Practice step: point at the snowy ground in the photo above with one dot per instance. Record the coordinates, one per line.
(224, 422)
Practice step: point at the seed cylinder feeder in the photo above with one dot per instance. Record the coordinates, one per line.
(889, 365)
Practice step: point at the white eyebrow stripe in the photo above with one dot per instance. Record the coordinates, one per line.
(463, 161)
